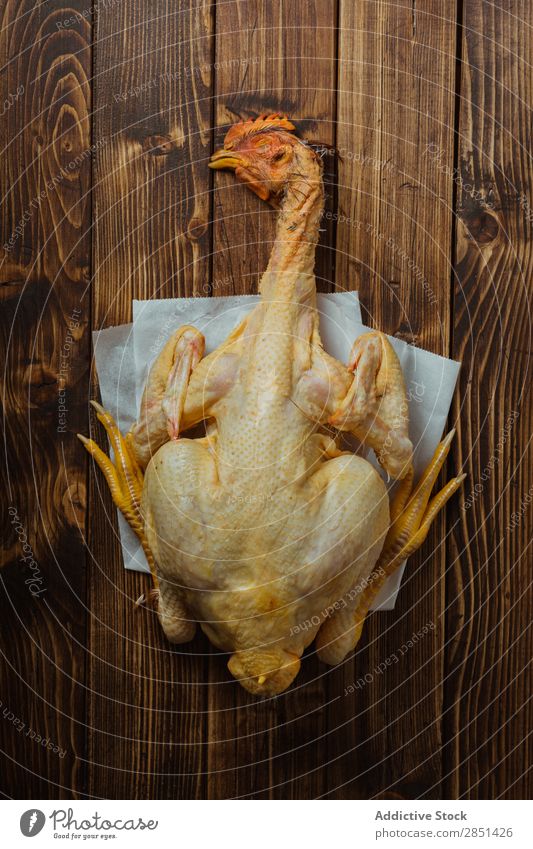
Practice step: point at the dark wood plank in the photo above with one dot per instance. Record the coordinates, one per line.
(277, 56)
(153, 69)
(396, 97)
(280, 57)
(489, 601)
(44, 329)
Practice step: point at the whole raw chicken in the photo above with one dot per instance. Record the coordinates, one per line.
(265, 532)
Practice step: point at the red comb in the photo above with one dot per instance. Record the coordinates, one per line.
(256, 125)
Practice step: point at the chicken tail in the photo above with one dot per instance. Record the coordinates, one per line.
(264, 672)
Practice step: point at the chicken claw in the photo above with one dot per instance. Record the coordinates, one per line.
(124, 477)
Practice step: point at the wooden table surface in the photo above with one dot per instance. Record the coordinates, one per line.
(109, 114)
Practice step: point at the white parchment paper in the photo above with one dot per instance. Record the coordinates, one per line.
(124, 355)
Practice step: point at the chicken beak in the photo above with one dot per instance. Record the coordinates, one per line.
(241, 165)
(225, 159)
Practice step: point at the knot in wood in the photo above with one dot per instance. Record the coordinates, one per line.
(158, 145)
(196, 229)
(483, 227)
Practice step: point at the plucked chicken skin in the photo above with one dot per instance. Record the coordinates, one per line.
(264, 531)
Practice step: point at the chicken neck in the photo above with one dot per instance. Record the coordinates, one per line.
(289, 275)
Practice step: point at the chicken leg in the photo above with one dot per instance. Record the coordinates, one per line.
(411, 519)
(161, 415)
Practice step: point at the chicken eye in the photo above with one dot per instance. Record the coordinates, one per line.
(279, 155)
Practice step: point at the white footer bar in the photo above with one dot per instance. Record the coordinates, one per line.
(268, 824)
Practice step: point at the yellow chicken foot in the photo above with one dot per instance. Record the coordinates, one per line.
(124, 477)
(125, 480)
(166, 389)
(412, 514)
(165, 396)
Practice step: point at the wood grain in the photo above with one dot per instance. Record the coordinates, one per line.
(276, 748)
(396, 97)
(44, 331)
(151, 191)
(489, 602)
(281, 57)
